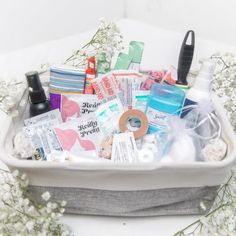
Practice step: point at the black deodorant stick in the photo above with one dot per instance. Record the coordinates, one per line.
(38, 101)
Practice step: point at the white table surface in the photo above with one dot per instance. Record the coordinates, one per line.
(161, 50)
(118, 226)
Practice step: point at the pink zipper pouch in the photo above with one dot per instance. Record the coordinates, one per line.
(77, 105)
(80, 136)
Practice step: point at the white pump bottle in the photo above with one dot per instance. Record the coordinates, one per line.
(202, 85)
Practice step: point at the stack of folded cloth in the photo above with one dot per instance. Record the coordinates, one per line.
(64, 79)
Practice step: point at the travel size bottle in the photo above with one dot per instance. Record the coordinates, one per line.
(38, 101)
(200, 91)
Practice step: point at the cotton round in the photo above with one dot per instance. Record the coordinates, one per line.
(215, 150)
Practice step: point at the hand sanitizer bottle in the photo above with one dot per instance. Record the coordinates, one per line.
(201, 88)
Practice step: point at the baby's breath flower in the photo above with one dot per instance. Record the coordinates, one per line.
(203, 206)
(31, 209)
(54, 205)
(224, 84)
(46, 196)
(11, 93)
(63, 203)
(6, 197)
(22, 215)
(15, 173)
(103, 45)
(62, 210)
(23, 177)
(26, 202)
(221, 220)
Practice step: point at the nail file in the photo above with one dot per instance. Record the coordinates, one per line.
(185, 59)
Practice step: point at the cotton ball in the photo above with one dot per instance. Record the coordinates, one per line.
(23, 146)
(182, 150)
(215, 150)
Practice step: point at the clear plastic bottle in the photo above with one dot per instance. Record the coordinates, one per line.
(200, 91)
(164, 100)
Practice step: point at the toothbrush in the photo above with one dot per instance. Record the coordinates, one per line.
(185, 59)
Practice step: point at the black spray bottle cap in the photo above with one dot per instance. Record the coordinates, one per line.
(36, 92)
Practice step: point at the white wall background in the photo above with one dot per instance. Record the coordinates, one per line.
(27, 22)
(211, 19)
(24, 23)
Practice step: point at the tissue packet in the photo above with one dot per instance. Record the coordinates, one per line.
(80, 136)
(77, 105)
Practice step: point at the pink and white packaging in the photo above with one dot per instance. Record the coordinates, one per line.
(80, 136)
(129, 81)
(77, 105)
(106, 87)
(118, 84)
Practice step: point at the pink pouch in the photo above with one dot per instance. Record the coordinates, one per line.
(80, 135)
(77, 105)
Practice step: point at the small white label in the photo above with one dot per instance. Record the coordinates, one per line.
(90, 76)
(50, 115)
(156, 118)
(124, 148)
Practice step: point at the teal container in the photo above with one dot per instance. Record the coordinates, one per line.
(164, 100)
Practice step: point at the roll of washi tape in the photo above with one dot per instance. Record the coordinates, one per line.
(145, 155)
(130, 114)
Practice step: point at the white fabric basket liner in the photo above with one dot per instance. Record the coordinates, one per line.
(161, 49)
(121, 177)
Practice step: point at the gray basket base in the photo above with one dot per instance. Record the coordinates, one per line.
(174, 201)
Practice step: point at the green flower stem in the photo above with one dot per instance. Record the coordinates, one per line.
(223, 188)
(23, 213)
(85, 46)
(198, 221)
